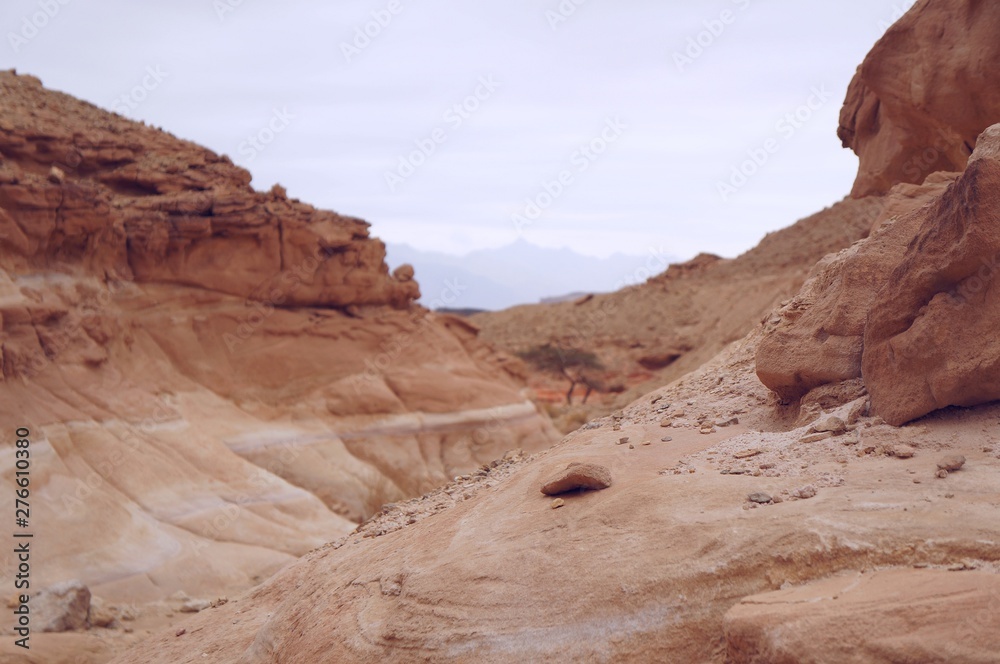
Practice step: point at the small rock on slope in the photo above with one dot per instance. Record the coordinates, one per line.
(584, 476)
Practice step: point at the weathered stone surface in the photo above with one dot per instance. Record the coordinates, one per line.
(817, 337)
(882, 618)
(930, 340)
(908, 309)
(217, 379)
(923, 95)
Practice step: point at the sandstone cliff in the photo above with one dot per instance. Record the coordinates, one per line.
(216, 380)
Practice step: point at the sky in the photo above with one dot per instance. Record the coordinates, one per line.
(603, 126)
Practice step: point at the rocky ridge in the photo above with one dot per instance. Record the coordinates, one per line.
(216, 380)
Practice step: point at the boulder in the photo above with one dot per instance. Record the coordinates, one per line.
(926, 90)
(578, 477)
(64, 607)
(930, 339)
(816, 338)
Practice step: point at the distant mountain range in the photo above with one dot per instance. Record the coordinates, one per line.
(519, 273)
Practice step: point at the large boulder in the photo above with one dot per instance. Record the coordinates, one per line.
(815, 339)
(910, 309)
(931, 339)
(926, 90)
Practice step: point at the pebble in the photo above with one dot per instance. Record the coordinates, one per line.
(557, 503)
(623, 440)
(951, 463)
(802, 493)
(903, 451)
(180, 632)
(833, 424)
(746, 454)
(646, 442)
(707, 430)
(666, 439)
(631, 446)
(760, 498)
(815, 437)
(585, 476)
(195, 605)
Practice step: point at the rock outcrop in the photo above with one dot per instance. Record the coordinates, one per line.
(646, 569)
(215, 380)
(931, 341)
(135, 202)
(923, 95)
(816, 337)
(908, 309)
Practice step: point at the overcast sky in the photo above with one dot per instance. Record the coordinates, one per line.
(606, 114)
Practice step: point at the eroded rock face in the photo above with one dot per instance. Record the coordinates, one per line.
(910, 309)
(931, 339)
(816, 339)
(215, 380)
(135, 201)
(926, 90)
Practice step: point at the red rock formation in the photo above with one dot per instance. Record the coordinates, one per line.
(816, 338)
(910, 309)
(931, 339)
(926, 90)
(81, 186)
(216, 380)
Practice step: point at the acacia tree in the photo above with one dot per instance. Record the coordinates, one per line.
(575, 365)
